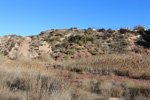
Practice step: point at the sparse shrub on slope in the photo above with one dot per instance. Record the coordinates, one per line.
(81, 39)
(78, 38)
(41, 33)
(101, 30)
(107, 88)
(140, 28)
(110, 30)
(93, 52)
(89, 31)
(71, 52)
(143, 91)
(80, 43)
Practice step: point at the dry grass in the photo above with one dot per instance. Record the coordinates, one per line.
(135, 66)
(17, 84)
(26, 79)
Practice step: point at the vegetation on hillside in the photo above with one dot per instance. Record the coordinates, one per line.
(74, 64)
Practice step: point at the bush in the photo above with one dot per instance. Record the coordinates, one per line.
(41, 33)
(92, 52)
(61, 35)
(71, 28)
(71, 52)
(140, 28)
(101, 30)
(89, 31)
(79, 48)
(110, 30)
(89, 38)
(77, 38)
(80, 43)
(53, 32)
(46, 38)
(140, 90)
(123, 31)
(93, 41)
(80, 39)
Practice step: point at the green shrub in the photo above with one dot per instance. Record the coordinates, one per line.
(79, 48)
(81, 39)
(77, 39)
(93, 41)
(92, 52)
(80, 43)
(89, 38)
(46, 38)
(89, 31)
(52, 33)
(71, 52)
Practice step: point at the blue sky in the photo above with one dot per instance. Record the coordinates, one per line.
(30, 17)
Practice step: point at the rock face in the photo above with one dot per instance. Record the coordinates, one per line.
(71, 43)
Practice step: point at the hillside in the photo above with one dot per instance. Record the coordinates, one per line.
(74, 64)
(74, 43)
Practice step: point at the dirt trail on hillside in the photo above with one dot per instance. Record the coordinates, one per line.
(25, 46)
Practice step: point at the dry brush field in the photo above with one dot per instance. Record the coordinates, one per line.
(104, 77)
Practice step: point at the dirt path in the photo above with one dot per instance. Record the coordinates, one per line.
(77, 78)
(81, 78)
(25, 46)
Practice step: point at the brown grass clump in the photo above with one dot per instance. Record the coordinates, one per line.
(29, 85)
(18, 84)
(107, 88)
